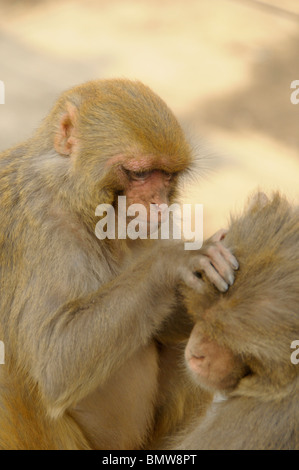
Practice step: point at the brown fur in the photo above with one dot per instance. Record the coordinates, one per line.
(252, 328)
(82, 319)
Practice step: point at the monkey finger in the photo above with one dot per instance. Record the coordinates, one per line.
(220, 235)
(215, 278)
(204, 264)
(228, 256)
(221, 264)
(192, 280)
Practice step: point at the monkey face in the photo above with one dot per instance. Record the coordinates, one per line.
(147, 187)
(248, 330)
(213, 366)
(121, 139)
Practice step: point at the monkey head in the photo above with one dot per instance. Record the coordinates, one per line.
(116, 137)
(241, 340)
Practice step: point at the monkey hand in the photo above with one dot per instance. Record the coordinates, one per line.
(214, 261)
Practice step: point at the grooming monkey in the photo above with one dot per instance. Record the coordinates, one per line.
(240, 344)
(92, 327)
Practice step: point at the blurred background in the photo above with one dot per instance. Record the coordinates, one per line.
(223, 66)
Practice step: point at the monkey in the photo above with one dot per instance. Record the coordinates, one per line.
(239, 348)
(93, 329)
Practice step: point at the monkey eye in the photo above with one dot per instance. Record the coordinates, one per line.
(137, 175)
(143, 175)
(140, 175)
(167, 175)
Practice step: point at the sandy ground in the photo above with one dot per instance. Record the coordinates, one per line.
(223, 66)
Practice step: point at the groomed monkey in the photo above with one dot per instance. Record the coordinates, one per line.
(240, 344)
(92, 327)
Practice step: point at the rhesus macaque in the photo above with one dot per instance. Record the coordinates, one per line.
(91, 327)
(240, 344)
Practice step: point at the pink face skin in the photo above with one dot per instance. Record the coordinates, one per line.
(149, 187)
(142, 181)
(213, 366)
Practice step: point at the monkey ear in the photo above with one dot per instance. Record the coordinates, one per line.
(259, 200)
(65, 141)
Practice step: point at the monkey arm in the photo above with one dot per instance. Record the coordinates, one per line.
(79, 344)
(86, 340)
